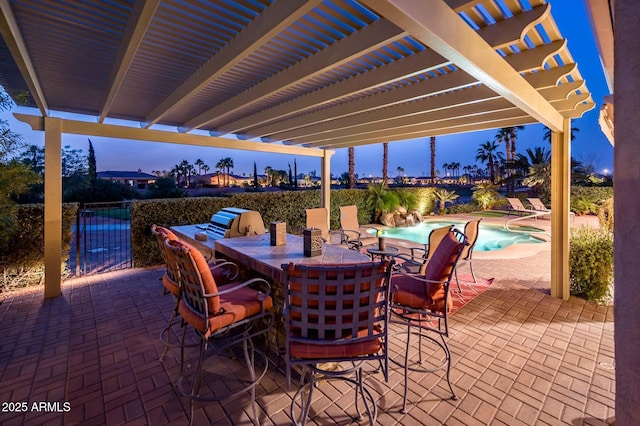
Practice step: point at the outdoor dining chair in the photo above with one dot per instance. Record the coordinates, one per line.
(336, 316)
(356, 234)
(416, 261)
(224, 318)
(223, 271)
(318, 218)
(421, 302)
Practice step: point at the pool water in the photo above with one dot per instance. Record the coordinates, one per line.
(490, 237)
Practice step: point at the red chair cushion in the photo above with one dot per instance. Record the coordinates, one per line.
(441, 264)
(343, 350)
(235, 306)
(418, 294)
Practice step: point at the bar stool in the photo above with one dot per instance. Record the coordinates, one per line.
(224, 272)
(335, 314)
(223, 318)
(421, 302)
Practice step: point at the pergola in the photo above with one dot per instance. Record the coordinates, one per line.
(292, 77)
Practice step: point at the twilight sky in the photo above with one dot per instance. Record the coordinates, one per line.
(590, 145)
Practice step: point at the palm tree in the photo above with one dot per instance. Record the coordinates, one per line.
(385, 162)
(400, 171)
(486, 195)
(513, 132)
(487, 154)
(205, 168)
(455, 168)
(444, 197)
(381, 200)
(220, 165)
(547, 133)
(199, 163)
(432, 145)
(504, 135)
(228, 163)
(190, 171)
(539, 155)
(352, 167)
(268, 171)
(445, 167)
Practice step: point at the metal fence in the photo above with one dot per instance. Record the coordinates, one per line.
(102, 238)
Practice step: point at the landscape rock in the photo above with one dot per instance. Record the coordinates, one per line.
(387, 220)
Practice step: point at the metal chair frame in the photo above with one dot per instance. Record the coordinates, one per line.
(336, 306)
(420, 322)
(352, 230)
(471, 232)
(171, 279)
(241, 332)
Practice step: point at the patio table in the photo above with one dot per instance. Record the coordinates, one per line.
(188, 234)
(255, 254)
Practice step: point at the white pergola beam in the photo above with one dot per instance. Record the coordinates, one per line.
(432, 86)
(12, 37)
(276, 18)
(484, 120)
(481, 121)
(150, 135)
(499, 35)
(474, 100)
(463, 128)
(456, 104)
(407, 67)
(368, 39)
(440, 28)
(136, 29)
(524, 61)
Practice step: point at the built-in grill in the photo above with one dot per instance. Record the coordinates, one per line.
(232, 222)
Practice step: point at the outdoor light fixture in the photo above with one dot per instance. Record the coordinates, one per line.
(278, 231)
(312, 239)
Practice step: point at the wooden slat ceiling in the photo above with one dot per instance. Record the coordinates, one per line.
(324, 74)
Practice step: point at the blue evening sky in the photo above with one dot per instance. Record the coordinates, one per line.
(590, 145)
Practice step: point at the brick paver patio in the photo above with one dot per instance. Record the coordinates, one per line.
(520, 357)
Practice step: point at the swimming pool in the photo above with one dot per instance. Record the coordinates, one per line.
(490, 237)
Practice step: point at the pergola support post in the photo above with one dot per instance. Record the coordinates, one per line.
(325, 181)
(52, 207)
(560, 214)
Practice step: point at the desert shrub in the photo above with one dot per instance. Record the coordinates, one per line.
(582, 205)
(407, 199)
(591, 263)
(462, 208)
(605, 215)
(595, 194)
(22, 256)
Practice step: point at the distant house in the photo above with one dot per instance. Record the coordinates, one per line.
(222, 179)
(137, 179)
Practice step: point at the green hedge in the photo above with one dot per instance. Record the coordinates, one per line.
(23, 257)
